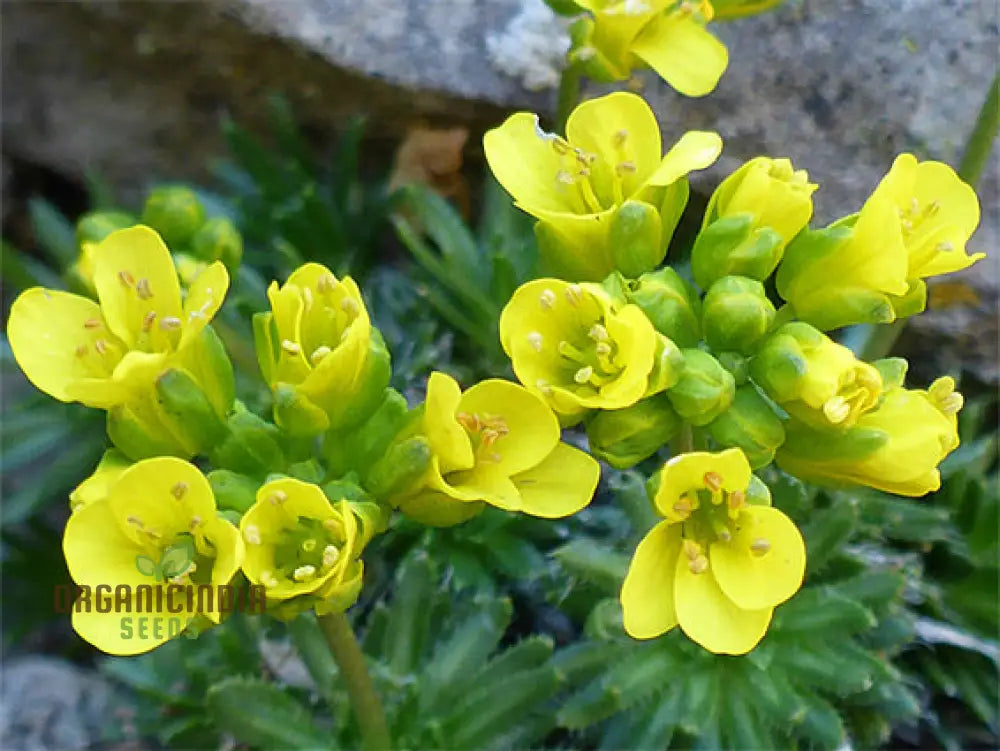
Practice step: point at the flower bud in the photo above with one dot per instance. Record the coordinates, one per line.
(218, 240)
(233, 491)
(624, 437)
(634, 238)
(751, 425)
(139, 434)
(189, 412)
(296, 414)
(175, 212)
(705, 389)
(400, 469)
(815, 379)
(733, 245)
(670, 303)
(736, 314)
(94, 226)
(250, 447)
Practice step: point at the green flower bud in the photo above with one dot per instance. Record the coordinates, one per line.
(733, 245)
(360, 447)
(634, 238)
(188, 411)
(175, 212)
(586, 56)
(624, 437)
(232, 490)
(751, 425)
(296, 414)
(705, 389)
(670, 303)
(736, 314)
(893, 372)
(138, 432)
(736, 364)
(251, 446)
(401, 468)
(96, 225)
(218, 240)
(668, 364)
(815, 379)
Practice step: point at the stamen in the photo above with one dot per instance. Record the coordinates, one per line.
(307, 296)
(304, 573)
(126, 278)
(333, 526)
(625, 168)
(350, 306)
(574, 293)
(619, 138)
(147, 320)
(563, 177)
(195, 522)
(944, 247)
(547, 299)
(134, 521)
(330, 555)
(598, 333)
(535, 340)
(101, 345)
(603, 349)
(691, 549)
(92, 323)
(737, 499)
(952, 403)
(713, 481)
(932, 208)
(584, 374)
(319, 353)
(143, 289)
(836, 409)
(760, 546)
(170, 322)
(252, 534)
(698, 565)
(542, 385)
(278, 496)
(81, 350)
(290, 347)
(179, 489)
(326, 283)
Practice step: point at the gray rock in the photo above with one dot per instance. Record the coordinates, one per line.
(49, 704)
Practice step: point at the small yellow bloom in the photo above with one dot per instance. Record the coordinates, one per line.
(570, 344)
(719, 563)
(100, 354)
(96, 487)
(847, 274)
(319, 340)
(896, 448)
(938, 213)
(157, 527)
(665, 35)
(303, 549)
(815, 379)
(612, 154)
(496, 443)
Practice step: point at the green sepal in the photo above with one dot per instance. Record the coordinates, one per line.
(736, 314)
(359, 448)
(670, 303)
(188, 412)
(375, 379)
(266, 345)
(668, 364)
(175, 212)
(232, 490)
(750, 425)
(705, 389)
(94, 226)
(733, 245)
(251, 447)
(913, 302)
(218, 240)
(893, 371)
(624, 437)
(296, 414)
(138, 440)
(401, 468)
(635, 238)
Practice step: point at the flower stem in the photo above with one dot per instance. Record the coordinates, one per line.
(351, 661)
(569, 95)
(977, 149)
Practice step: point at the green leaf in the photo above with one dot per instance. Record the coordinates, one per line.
(593, 562)
(53, 232)
(409, 614)
(312, 646)
(262, 714)
(827, 530)
(819, 611)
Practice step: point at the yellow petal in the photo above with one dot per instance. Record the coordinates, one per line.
(618, 128)
(647, 594)
(437, 509)
(686, 472)
(287, 305)
(696, 149)
(561, 485)
(164, 496)
(753, 579)
(533, 429)
(448, 439)
(131, 633)
(483, 483)
(636, 338)
(683, 53)
(525, 162)
(98, 550)
(97, 486)
(710, 618)
(204, 298)
(135, 278)
(58, 339)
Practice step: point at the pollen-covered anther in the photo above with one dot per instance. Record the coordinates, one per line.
(135, 521)
(170, 322)
(713, 481)
(101, 345)
(252, 534)
(682, 507)
(574, 294)
(603, 349)
(319, 353)
(350, 306)
(307, 297)
(469, 421)
(543, 386)
(126, 278)
(547, 299)
(330, 555)
(535, 339)
(952, 403)
(304, 573)
(623, 168)
(760, 546)
(290, 347)
(698, 565)
(326, 283)
(195, 522)
(564, 177)
(598, 333)
(81, 350)
(944, 247)
(691, 549)
(278, 496)
(489, 436)
(147, 320)
(836, 409)
(143, 289)
(179, 489)
(737, 500)
(584, 374)
(92, 323)
(619, 138)
(333, 526)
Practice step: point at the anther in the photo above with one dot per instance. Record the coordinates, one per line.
(691, 549)
(350, 306)
(760, 546)
(836, 409)
(319, 353)
(574, 293)
(81, 350)
(737, 499)
(326, 283)
(147, 320)
(307, 296)
(952, 403)
(170, 322)
(134, 521)
(713, 481)
(92, 323)
(101, 346)
(251, 534)
(625, 167)
(598, 333)
(542, 385)
(290, 347)
(179, 489)
(330, 555)
(535, 340)
(603, 349)
(195, 522)
(619, 138)
(143, 289)
(564, 177)
(547, 299)
(698, 565)
(268, 579)
(944, 247)
(304, 573)
(126, 278)
(584, 374)
(278, 496)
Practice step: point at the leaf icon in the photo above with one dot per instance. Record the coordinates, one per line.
(176, 560)
(146, 565)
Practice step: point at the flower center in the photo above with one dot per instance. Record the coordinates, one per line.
(859, 390)
(915, 214)
(327, 315)
(303, 550)
(589, 184)
(484, 430)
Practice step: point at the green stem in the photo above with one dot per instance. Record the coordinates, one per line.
(683, 443)
(569, 96)
(977, 148)
(351, 661)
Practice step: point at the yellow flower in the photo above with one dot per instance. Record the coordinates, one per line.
(896, 448)
(96, 487)
(303, 549)
(665, 35)
(938, 213)
(570, 344)
(496, 443)
(719, 563)
(157, 527)
(319, 340)
(847, 274)
(612, 155)
(75, 349)
(815, 379)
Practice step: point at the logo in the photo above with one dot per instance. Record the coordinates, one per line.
(174, 562)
